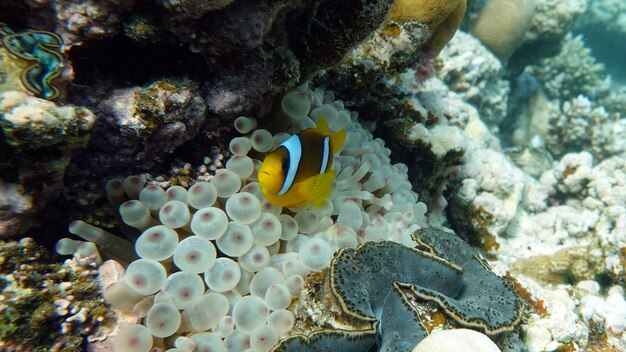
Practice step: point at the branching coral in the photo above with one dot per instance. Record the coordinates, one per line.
(554, 18)
(477, 75)
(610, 15)
(578, 125)
(572, 72)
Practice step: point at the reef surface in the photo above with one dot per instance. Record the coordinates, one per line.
(479, 199)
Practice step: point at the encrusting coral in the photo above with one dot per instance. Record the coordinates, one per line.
(47, 306)
(30, 124)
(138, 126)
(38, 137)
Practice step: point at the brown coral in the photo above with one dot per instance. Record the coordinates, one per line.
(441, 17)
(502, 25)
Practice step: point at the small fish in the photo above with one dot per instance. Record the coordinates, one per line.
(300, 171)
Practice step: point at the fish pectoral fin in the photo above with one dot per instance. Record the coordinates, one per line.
(317, 189)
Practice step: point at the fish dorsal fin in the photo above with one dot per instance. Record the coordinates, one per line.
(336, 138)
(322, 125)
(317, 189)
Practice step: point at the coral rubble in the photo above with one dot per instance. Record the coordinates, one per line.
(37, 141)
(49, 306)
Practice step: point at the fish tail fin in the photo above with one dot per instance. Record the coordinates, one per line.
(318, 189)
(337, 138)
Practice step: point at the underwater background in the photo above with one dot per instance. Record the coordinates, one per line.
(478, 202)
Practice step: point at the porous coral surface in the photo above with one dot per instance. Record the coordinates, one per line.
(48, 306)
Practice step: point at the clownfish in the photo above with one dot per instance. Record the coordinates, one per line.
(299, 171)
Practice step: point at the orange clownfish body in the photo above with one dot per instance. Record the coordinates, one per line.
(300, 171)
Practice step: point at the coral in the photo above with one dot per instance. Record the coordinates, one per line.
(572, 72)
(569, 229)
(560, 327)
(317, 32)
(193, 9)
(441, 17)
(376, 283)
(48, 306)
(141, 29)
(327, 28)
(37, 140)
(502, 25)
(611, 309)
(608, 14)
(79, 21)
(434, 151)
(17, 208)
(434, 129)
(44, 62)
(413, 33)
(478, 76)
(29, 124)
(579, 126)
(487, 198)
(569, 265)
(554, 18)
(461, 340)
(139, 126)
(238, 89)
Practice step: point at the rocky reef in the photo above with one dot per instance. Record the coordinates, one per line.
(49, 306)
(479, 198)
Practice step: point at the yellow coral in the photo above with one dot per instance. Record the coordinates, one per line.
(442, 17)
(502, 25)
